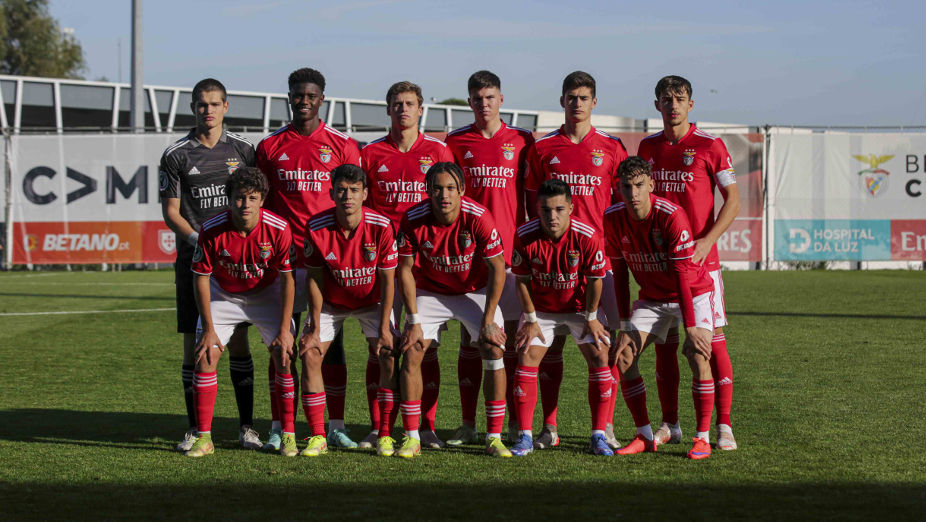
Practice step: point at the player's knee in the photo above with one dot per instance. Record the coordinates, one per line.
(625, 359)
(490, 351)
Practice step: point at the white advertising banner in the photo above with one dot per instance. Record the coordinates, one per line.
(848, 196)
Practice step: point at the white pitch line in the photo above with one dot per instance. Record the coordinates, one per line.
(46, 283)
(89, 312)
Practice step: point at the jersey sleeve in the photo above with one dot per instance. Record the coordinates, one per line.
(520, 265)
(202, 256)
(594, 257)
(488, 241)
(283, 259)
(169, 177)
(679, 238)
(406, 240)
(388, 250)
(262, 160)
(620, 154)
(612, 244)
(248, 154)
(533, 176)
(446, 154)
(311, 253)
(722, 164)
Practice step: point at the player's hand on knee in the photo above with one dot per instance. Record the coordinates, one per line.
(527, 332)
(383, 343)
(698, 341)
(491, 334)
(600, 334)
(205, 346)
(411, 337)
(310, 340)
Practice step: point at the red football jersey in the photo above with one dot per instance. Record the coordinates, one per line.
(242, 263)
(687, 172)
(494, 172)
(589, 167)
(299, 171)
(559, 270)
(656, 249)
(350, 263)
(445, 253)
(395, 178)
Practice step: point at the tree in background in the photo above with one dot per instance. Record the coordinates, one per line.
(453, 101)
(32, 43)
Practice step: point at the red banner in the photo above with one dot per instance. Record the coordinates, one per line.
(908, 239)
(93, 242)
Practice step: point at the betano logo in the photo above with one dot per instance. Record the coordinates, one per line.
(873, 180)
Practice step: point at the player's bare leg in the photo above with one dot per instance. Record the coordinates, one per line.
(600, 380)
(722, 370)
(525, 397)
(702, 394)
(550, 379)
(629, 349)
(493, 390)
(241, 368)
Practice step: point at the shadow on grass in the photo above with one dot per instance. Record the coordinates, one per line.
(312, 498)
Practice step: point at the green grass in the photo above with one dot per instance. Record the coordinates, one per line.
(828, 410)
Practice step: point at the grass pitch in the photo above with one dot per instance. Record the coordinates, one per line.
(828, 410)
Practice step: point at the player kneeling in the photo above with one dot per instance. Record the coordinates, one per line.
(243, 274)
(653, 237)
(351, 256)
(449, 233)
(560, 263)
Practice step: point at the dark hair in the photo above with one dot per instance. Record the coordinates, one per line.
(443, 166)
(483, 79)
(673, 85)
(578, 79)
(554, 187)
(247, 178)
(400, 87)
(634, 166)
(209, 84)
(306, 75)
(349, 173)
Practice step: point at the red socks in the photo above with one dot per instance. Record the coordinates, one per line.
(551, 376)
(387, 411)
(599, 395)
(469, 374)
(335, 377)
(286, 390)
(372, 382)
(495, 416)
(411, 412)
(430, 378)
(524, 393)
(634, 392)
(702, 392)
(722, 370)
(667, 377)
(205, 387)
(313, 404)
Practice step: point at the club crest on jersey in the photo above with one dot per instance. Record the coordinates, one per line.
(232, 164)
(324, 154)
(465, 239)
(266, 250)
(424, 163)
(572, 257)
(163, 180)
(198, 254)
(597, 157)
(508, 151)
(369, 251)
(400, 238)
(688, 157)
(657, 237)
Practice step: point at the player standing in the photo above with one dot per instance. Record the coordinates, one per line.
(447, 234)
(395, 165)
(652, 237)
(298, 160)
(688, 164)
(192, 176)
(493, 157)
(243, 274)
(560, 263)
(587, 160)
(351, 255)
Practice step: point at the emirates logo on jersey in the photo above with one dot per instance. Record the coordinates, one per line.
(597, 157)
(369, 251)
(508, 151)
(688, 157)
(572, 257)
(424, 163)
(266, 250)
(465, 239)
(324, 154)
